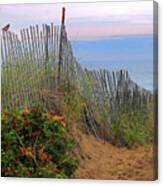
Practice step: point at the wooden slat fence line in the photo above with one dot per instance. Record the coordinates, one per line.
(25, 61)
(116, 89)
(39, 61)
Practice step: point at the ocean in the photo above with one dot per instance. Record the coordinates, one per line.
(132, 53)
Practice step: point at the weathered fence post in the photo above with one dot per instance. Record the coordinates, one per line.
(47, 30)
(60, 44)
(63, 15)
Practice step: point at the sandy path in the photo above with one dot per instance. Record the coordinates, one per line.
(105, 161)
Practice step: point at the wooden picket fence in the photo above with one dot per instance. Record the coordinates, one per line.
(37, 62)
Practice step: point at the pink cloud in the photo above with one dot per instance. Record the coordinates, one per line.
(108, 31)
(84, 20)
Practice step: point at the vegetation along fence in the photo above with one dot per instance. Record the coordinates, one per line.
(38, 66)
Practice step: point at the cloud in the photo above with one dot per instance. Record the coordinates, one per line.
(94, 32)
(84, 20)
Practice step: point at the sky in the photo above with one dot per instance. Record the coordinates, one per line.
(110, 35)
(84, 21)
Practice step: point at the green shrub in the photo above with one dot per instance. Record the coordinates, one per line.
(36, 144)
(132, 127)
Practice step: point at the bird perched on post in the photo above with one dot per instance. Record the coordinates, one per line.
(6, 28)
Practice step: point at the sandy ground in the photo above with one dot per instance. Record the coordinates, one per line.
(101, 160)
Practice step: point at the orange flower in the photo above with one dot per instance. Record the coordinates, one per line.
(5, 113)
(64, 124)
(8, 169)
(26, 111)
(58, 118)
(27, 123)
(62, 118)
(49, 116)
(22, 149)
(14, 120)
(56, 170)
(42, 155)
(27, 152)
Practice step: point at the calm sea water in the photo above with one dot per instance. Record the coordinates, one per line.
(134, 54)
